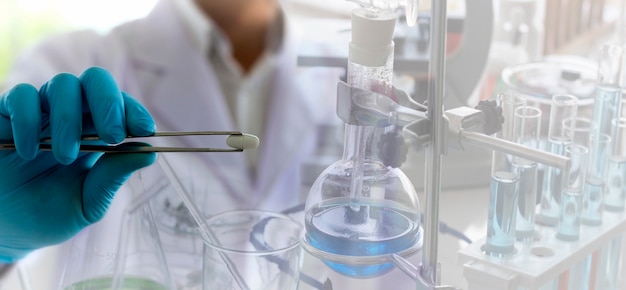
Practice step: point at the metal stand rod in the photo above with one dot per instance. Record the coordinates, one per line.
(439, 129)
(516, 149)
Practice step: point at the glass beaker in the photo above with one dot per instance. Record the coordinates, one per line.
(252, 249)
(177, 227)
(123, 251)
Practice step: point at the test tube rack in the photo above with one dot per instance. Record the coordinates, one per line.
(535, 265)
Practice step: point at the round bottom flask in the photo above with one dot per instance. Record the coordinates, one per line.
(362, 209)
(359, 212)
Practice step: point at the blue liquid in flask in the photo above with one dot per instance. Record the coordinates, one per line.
(372, 229)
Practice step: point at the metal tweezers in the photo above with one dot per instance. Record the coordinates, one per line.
(133, 147)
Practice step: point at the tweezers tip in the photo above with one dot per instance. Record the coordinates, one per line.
(243, 141)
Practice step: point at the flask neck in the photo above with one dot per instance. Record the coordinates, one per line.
(360, 144)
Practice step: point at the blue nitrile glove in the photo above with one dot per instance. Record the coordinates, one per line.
(47, 197)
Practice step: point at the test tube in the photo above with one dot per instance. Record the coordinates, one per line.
(510, 102)
(608, 265)
(527, 132)
(563, 107)
(607, 271)
(504, 185)
(607, 107)
(615, 192)
(608, 95)
(502, 208)
(580, 128)
(616, 195)
(568, 227)
(594, 188)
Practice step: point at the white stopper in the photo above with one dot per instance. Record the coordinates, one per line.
(243, 142)
(372, 36)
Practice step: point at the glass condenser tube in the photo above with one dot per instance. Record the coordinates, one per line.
(563, 107)
(527, 130)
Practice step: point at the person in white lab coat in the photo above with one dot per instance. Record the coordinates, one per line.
(194, 65)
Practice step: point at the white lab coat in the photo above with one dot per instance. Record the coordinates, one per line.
(154, 60)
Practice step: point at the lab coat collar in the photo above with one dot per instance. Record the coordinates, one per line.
(168, 53)
(196, 24)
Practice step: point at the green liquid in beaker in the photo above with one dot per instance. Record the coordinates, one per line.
(105, 283)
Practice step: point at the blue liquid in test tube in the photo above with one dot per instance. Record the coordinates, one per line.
(615, 193)
(502, 214)
(569, 220)
(593, 202)
(527, 199)
(606, 108)
(551, 188)
(527, 131)
(594, 188)
(568, 228)
(563, 107)
(615, 197)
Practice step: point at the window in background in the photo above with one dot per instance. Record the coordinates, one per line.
(25, 22)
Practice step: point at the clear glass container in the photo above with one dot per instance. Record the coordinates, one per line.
(379, 216)
(568, 228)
(361, 209)
(608, 94)
(615, 198)
(527, 131)
(560, 134)
(556, 75)
(595, 183)
(504, 187)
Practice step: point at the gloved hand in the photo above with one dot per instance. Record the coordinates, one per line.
(47, 197)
